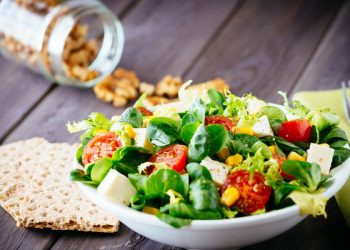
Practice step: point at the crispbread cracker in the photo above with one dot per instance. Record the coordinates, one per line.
(35, 190)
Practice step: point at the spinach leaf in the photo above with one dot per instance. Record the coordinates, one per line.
(204, 195)
(332, 134)
(133, 117)
(315, 134)
(197, 108)
(323, 120)
(247, 140)
(138, 181)
(100, 170)
(218, 137)
(197, 171)
(187, 211)
(275, 115)
(163, 131)
(127, 159)
(237, 147)
(188, 130)
(80, 176)
(159, 182)
(340, 155)
(307, 174)
(198, 148)
(282, 190)
(188, 118)
(217, 99)
(284, 145)
(173, 221)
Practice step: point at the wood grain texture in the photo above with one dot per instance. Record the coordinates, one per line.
(331, 63)
(265, 47)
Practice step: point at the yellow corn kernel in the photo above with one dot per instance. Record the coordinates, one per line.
(295, 156)
(273, 149)
(324, 145)
(130, 131)
(247, 130)
(230, 196)
(146, 120)
(223, 154)
(100, 131)
(150, 210)
(234, 160)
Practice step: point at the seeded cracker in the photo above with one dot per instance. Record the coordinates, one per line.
(35, 190)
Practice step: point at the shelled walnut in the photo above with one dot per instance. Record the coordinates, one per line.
(169, 86)
(118, 88)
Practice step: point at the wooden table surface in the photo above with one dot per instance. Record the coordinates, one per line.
(257, 46)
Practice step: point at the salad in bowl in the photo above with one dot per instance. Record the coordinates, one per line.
(210, 157)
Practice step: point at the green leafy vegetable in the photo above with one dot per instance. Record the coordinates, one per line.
(198, 148)
(127, 159)
(203, 194)
(275, 115)
(80, 176)
(100, 170)
(137, 202)
(159, 182)
(94, 120)
(197, 171)
(323, 119)
(218, 137)
(188, 130)
(173, 221)
(133, 117)
(197, 108)
(307, 174)
(163, 131)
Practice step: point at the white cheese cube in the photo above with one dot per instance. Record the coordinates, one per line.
(322, 155)
(175, 106)
(141, 139)
(262, 127)
(254, 106)
(116, 187)
(218, 170)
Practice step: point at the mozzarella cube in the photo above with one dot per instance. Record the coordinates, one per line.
(116, 187)
(254, 106)
(141, 139)
(262, 127)
(321, 155)
(218, 170)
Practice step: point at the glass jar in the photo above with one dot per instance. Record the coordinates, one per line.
(76, 42)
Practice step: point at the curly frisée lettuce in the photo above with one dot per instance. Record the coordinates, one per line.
(219, 156)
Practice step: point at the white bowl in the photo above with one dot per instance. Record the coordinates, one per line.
(214, 234)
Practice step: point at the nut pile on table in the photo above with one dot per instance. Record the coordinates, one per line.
(124, 85)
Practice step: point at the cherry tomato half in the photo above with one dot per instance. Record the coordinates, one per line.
(295, 131)
(254, 194)
(144, 111)
(102, 145)
(280, 159)
(220, 119)
(175, 156)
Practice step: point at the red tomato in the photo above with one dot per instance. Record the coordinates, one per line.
(253, 193)
(175, 156)
(295, 131)
(145, 111)
(220, 119)
(102, 145)
(280, 159)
